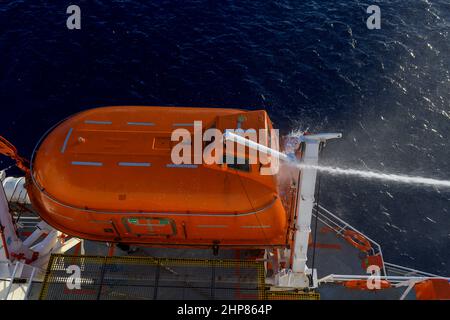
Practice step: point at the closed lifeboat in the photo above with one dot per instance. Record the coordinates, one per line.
(106, 174)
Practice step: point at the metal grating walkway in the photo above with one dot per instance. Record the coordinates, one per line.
(119, 278)
(280, 295)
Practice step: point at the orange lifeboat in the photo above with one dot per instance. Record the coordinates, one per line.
(106, 175)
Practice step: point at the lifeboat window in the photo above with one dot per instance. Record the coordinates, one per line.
(237, 164)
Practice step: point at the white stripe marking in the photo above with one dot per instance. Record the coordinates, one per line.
(171, 165)
(256, 227)
(135, 164)
(87, 163)
(63, 149)
(97, 122)
(140, 123)
(211, 226)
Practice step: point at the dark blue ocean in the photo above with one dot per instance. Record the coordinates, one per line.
(311, 64)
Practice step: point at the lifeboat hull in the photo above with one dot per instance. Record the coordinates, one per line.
(106, 175)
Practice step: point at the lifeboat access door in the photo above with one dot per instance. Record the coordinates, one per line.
(149, 226)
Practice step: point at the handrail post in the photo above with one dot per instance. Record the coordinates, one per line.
(30, 282)
(13, 275)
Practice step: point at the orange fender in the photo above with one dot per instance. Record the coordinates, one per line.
(357, 240)
(362, 285)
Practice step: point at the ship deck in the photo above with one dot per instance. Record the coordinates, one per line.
(328, 252)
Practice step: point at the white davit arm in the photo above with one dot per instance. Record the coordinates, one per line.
(15, 190)
(322, 137)
(12, 248)
(229, 136)
(298, 275)
(11, 245)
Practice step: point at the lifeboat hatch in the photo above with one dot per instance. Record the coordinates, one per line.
(149, 226)
(162, 143)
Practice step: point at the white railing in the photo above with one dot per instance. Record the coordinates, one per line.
(26, 221)
(339, 226)
(407, 282)
(15, 280)
(398, 276)
(395, 269)
(392, 279)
